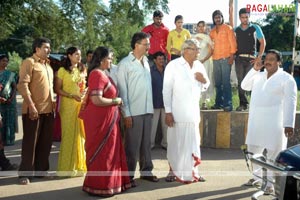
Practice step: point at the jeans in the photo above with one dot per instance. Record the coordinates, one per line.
(222, 72)
(242, 67)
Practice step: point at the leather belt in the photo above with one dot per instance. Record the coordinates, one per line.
(247, 56)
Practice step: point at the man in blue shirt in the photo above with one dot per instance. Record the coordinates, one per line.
(157, 77)
(134, 83)
(247, 35)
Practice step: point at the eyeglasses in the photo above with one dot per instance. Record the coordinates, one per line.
(193, 49)
(146, 44)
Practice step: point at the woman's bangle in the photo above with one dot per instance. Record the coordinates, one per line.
(114, 101)
(70, 96)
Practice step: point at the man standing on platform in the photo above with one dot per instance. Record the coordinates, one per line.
(224, 49)
(246, 36)
(158, 34)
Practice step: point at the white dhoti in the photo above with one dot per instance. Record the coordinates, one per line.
(184, 152)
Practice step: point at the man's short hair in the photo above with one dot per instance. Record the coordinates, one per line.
(244, 11)
(138, 37)
(276, 52)
(4, 56)
(158, 13)
(38, 43)
(89, 52)
(159, 53)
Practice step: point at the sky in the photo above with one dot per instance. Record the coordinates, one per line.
(195, 10)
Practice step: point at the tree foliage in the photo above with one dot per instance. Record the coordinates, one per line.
(83, 23)
(278, 30)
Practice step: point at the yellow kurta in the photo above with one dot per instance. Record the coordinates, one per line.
(71, 161)
(175, 39)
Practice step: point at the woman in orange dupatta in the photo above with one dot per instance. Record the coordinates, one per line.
(107, 172)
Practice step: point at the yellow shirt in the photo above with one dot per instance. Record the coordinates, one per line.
(175, 39)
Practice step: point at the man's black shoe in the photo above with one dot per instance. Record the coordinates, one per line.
(242, 108)
(215, 107)
(227, 109)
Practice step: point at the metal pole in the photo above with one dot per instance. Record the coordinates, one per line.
(296, 23)
(235, 7)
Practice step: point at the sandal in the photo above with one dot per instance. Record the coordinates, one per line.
(269, 190)
(170, 177)
(24, 181)
(252, 182)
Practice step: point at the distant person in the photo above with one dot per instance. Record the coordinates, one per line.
(5, 164)
(36, 87)
(158, 34)
(224, 47)
(157, 78)
(8, 103)
(185, 78)
(88, 59)
(247, 35)
(272, 111)
(206, 60)
(134, 83)
(105, 154)
(176, 38)
(70, 83)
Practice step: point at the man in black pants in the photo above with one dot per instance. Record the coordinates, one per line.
(246, 35)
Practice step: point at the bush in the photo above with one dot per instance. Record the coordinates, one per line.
(14, 62)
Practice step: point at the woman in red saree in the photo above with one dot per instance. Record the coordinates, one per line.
(107, 172)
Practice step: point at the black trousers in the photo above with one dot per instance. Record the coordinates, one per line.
(36, 144)
(242, 67)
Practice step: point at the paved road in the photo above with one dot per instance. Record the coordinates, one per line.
(224, 169)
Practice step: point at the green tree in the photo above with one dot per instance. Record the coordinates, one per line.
(87, 18)
(83, 23)
(40, 18)
(278, 30)
(14, 62)
(127, 17)
(10, 16)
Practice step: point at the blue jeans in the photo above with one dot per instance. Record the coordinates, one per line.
(222, 83)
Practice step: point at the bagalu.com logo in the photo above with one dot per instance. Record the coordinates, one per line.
(258, 9)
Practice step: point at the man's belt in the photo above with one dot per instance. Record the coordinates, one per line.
(247, 56)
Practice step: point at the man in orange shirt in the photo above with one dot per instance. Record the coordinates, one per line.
(224, 49)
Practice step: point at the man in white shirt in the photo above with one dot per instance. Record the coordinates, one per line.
(134, 83)
(272, 110)
(184, 80)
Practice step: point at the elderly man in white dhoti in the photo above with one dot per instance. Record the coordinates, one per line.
(272, 110)
(184, 80)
